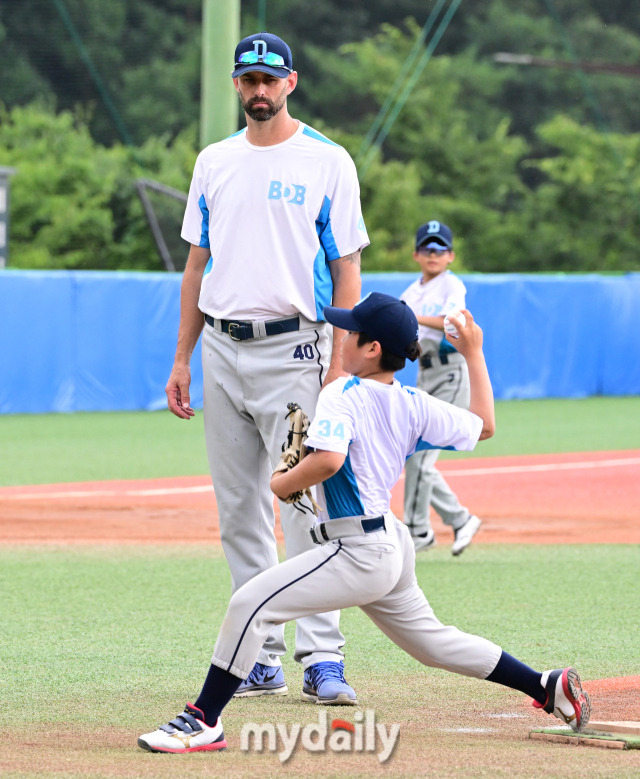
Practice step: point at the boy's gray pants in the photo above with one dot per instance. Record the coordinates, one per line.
(424, 485)
(375, 572)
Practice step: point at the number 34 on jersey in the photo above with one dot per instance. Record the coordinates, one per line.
(326, 429)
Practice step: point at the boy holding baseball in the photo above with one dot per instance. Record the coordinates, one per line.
(443, 374)
(366, 424)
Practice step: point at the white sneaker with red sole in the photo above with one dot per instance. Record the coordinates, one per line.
(566, 699)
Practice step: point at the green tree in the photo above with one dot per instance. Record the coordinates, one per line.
(586, 213)
(509, 157)
(73, 201)
(442, 159)
(146, 56)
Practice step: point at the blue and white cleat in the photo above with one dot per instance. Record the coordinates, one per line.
(263, 680)
(324, 683)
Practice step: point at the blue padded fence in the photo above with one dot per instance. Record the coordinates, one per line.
(104, 341)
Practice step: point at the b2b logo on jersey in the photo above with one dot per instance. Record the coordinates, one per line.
(293, 194)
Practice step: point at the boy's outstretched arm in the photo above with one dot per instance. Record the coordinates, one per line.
(469, 344)
(316, 467)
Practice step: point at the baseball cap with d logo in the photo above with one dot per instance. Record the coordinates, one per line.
(265, 53)
(382, 317)
(434, 231)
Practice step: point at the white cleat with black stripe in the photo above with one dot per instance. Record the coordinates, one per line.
(188, 732)
(464, 535)
(423, 542)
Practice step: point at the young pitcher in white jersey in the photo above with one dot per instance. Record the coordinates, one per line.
(365, 426)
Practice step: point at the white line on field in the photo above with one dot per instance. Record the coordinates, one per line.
(542, 467)
(106, 493)
(495, 471)
(173, 490)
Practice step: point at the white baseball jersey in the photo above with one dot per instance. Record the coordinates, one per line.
(436, 297)
(273, 218)
(378, 426)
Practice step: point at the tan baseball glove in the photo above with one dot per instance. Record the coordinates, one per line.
(293, 451)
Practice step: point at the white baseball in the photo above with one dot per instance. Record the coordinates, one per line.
(449, 327)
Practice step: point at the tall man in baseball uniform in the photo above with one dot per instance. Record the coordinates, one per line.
(276, 230)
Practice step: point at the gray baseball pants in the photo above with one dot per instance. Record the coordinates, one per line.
(376, 572)
(424, 485)
(247, 385)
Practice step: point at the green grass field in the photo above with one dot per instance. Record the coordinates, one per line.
(101, 643)
(90, 620)
(44, 449)
(109, 642)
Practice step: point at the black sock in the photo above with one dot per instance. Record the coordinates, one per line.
(512, 673)
(218, 690)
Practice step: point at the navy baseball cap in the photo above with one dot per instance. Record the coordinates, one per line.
(263, 52)
(434, 231)
(382, 317)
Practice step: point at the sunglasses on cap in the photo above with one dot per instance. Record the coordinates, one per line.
(268, 58)
(429, 251)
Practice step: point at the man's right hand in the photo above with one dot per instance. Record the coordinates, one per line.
(177, 390)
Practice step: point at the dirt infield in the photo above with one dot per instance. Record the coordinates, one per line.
(589, 497)
(546, 499)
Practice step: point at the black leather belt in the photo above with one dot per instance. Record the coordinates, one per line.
(371, 525)
(426, 360)
(243, 331)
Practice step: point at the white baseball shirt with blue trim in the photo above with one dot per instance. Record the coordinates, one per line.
(436, 297)
(377, 426)
(274, 217)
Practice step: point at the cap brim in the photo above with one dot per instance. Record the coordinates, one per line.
(277, 72)
(434, 239)
(342, 318)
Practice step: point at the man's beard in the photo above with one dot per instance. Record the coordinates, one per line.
(262, 114)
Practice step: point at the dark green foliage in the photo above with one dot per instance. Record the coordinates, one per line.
(147, 56)
(73, 201)
(534, 168)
